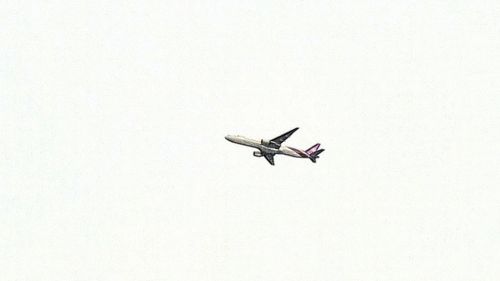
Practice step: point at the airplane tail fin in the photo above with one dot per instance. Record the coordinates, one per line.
(314, 152)
(312, 149)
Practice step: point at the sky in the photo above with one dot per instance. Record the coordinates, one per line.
(114, 166)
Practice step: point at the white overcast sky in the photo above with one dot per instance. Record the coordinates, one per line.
(114, 166)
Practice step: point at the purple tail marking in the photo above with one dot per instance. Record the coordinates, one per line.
(312, 149)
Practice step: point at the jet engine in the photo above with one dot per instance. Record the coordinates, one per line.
(257, 154)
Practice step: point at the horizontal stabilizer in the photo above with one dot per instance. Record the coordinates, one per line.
(313, 156)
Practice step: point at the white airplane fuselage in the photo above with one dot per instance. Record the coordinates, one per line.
(266, 149)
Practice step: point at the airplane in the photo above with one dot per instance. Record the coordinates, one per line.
(269, 148)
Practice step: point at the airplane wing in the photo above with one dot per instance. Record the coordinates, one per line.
(269, 158)
(282, 138)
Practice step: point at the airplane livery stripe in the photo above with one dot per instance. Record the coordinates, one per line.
(300, 152)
